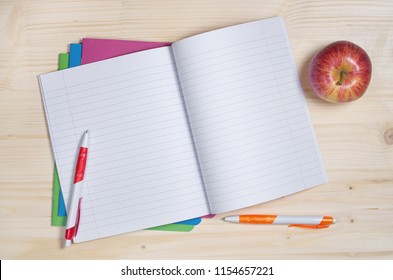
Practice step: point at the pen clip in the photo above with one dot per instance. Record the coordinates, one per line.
(309, 226)
(78, 215)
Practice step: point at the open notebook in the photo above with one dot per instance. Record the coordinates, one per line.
(213, 123)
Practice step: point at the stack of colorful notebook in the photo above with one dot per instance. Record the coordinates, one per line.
(92, 50)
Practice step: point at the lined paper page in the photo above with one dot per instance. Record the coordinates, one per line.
(248, 114)
(141, 169)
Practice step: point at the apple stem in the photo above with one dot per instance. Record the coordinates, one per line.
(343, 77)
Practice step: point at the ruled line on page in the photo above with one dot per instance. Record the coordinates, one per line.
(231, 45)
(93, 81)
(87, 98)
(270, 187)
(127, 220)
(108, 115)
(243, 59)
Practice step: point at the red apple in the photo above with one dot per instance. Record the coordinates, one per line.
(340, 72)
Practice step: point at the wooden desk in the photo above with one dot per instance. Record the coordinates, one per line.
(356, 139)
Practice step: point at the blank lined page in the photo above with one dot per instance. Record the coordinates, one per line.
(141, 169)
(248, 114)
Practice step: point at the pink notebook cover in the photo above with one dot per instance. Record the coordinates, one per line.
(98, 49)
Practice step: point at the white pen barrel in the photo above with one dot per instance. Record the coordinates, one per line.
(299, 220)
(73, 207)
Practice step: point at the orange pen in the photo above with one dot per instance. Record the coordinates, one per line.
(313, 222)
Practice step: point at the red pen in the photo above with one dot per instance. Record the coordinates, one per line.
(74, 208)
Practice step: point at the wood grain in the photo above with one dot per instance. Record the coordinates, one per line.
(355, 139)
